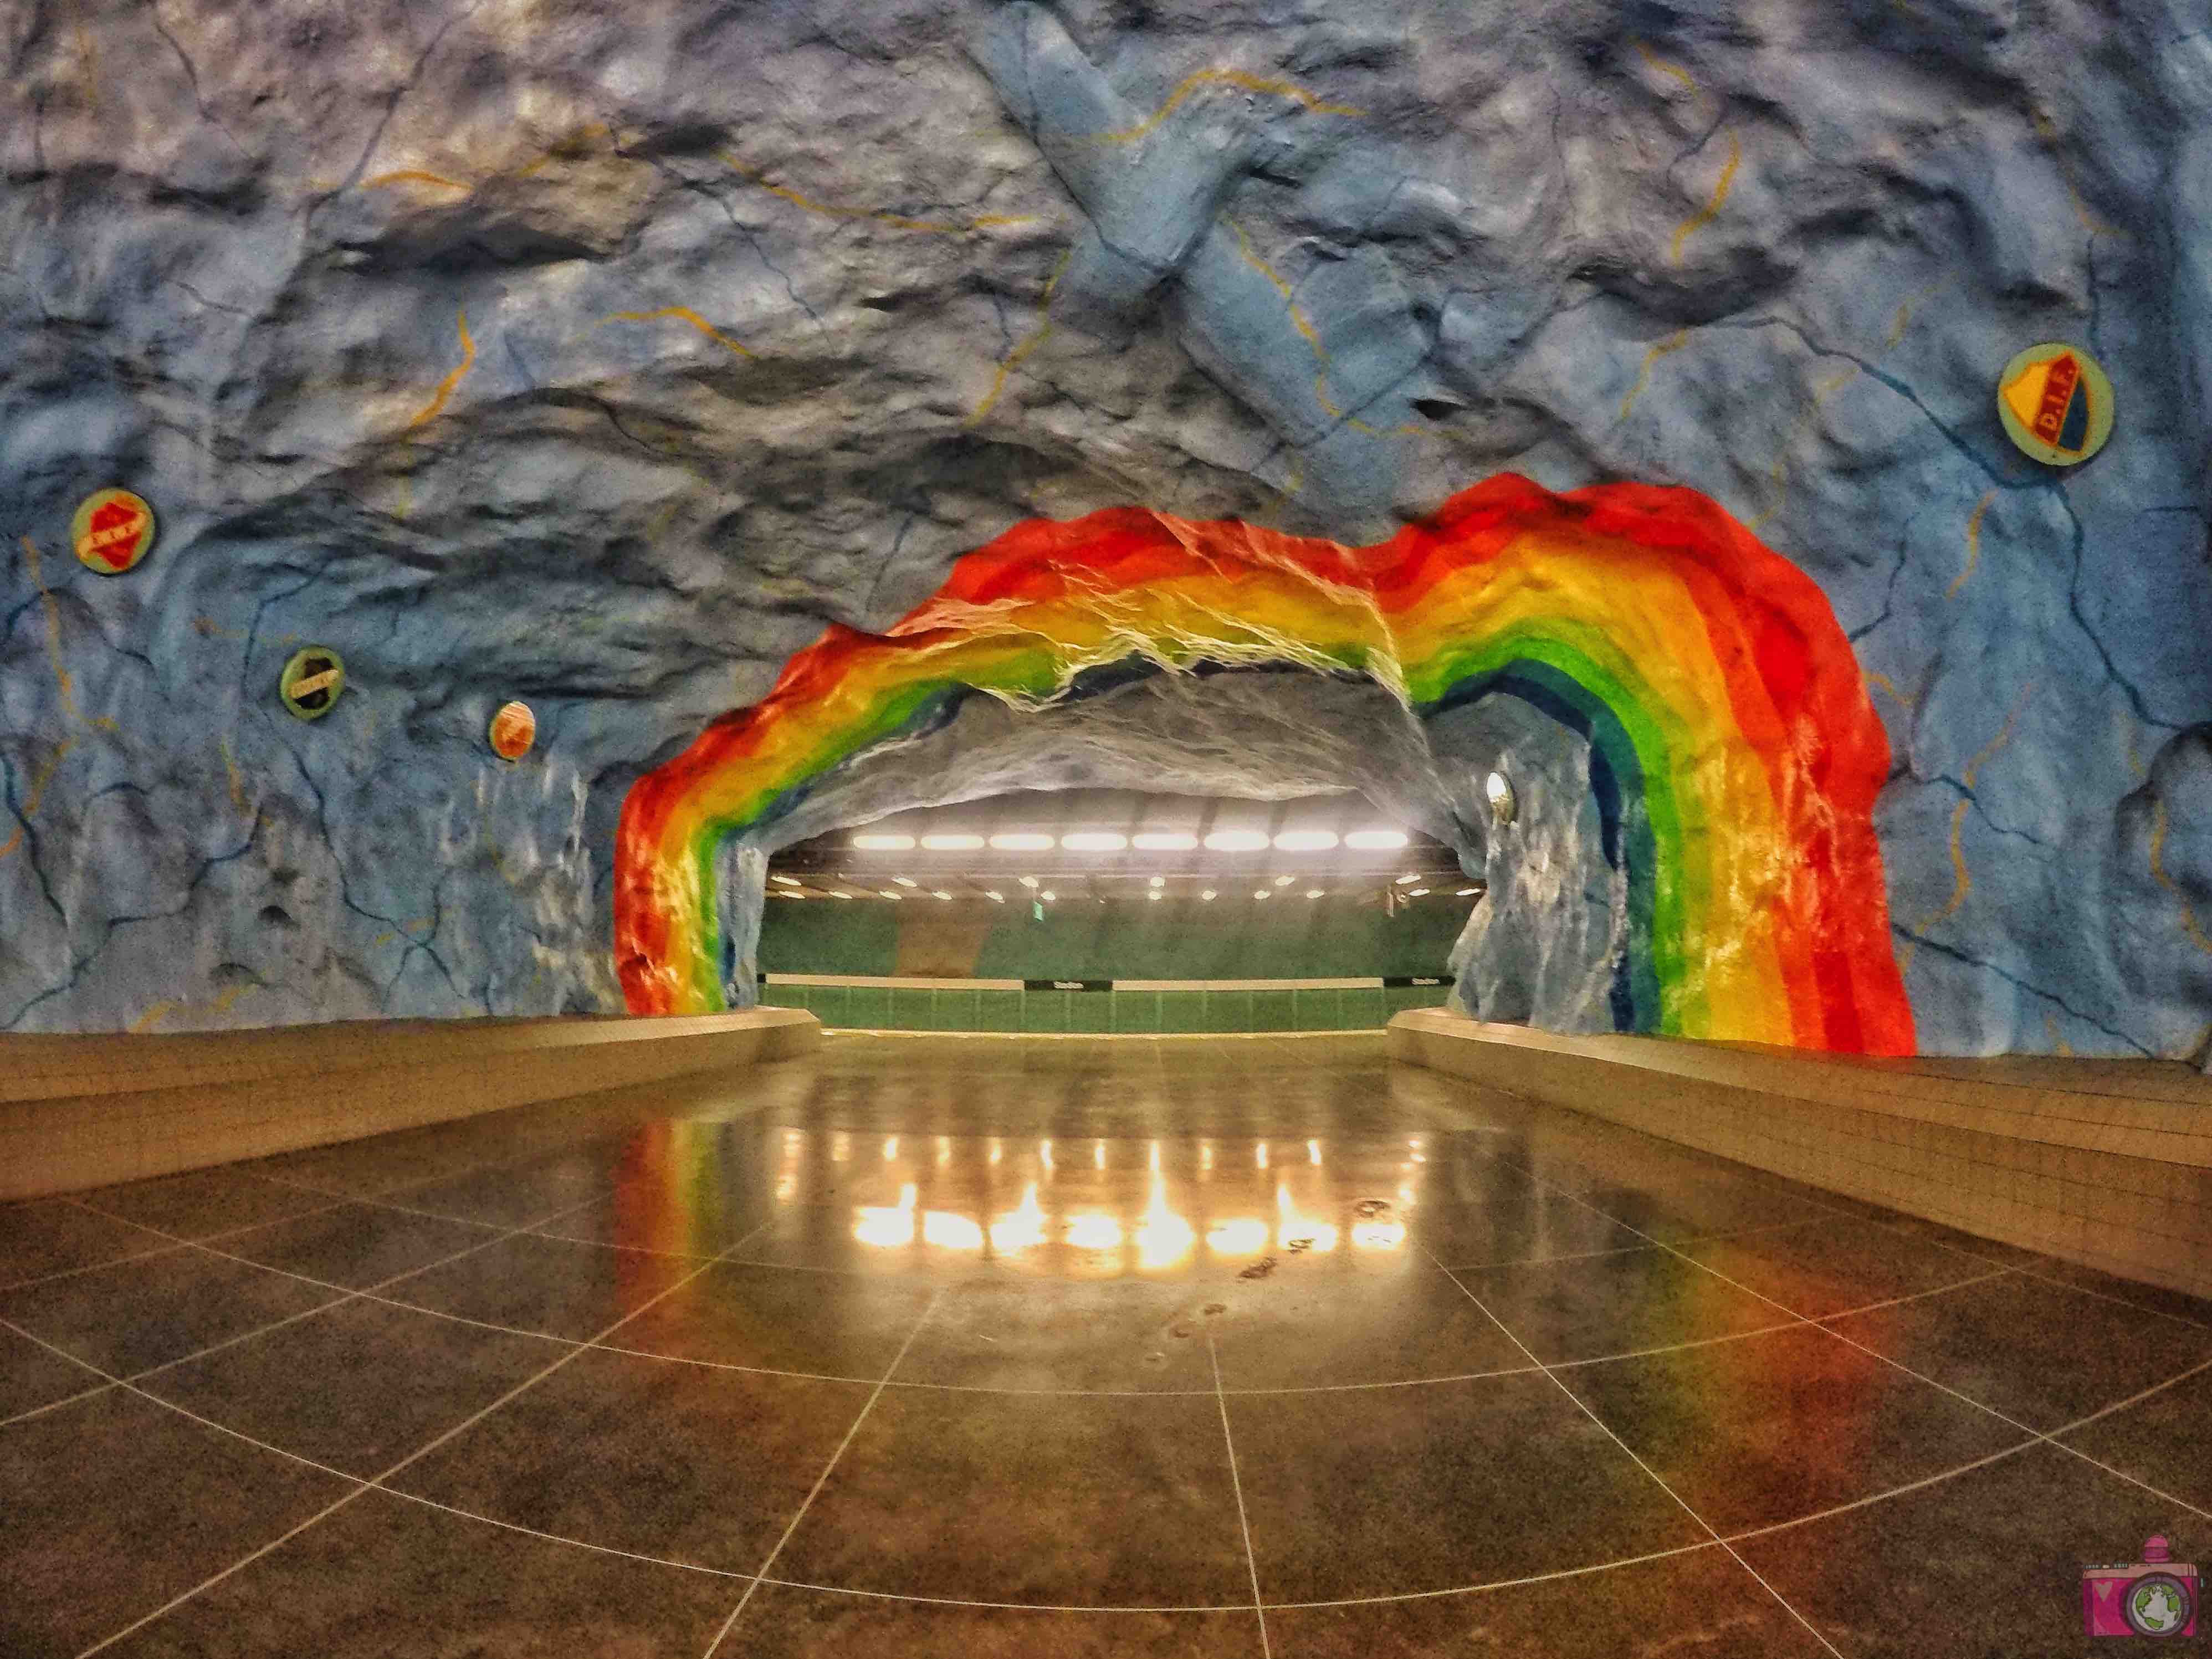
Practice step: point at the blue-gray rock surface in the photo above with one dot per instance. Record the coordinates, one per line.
(598, 356)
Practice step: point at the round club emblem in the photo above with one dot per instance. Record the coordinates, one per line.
(312, 681)
(513, 729)
(112, 532)
(2056, 404)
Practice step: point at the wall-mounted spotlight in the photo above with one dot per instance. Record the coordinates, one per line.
(906, 881)
(941, 893)
(1282, 881)
(1265, 893)
(1208, 896)
(786, 881)
(1160, 881)
(1406, 881)
(1030, 882)
(841, 895)
(1047, 896)
(996, 897)
(893, 894)
(1154, 895)
(1469, 892)
(1499, 794)
(1313, 892)
(1419, 892)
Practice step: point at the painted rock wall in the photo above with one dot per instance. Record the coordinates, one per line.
(600, 356)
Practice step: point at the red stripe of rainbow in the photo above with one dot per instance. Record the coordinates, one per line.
(1714, 681)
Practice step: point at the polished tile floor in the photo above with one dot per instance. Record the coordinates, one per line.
(934, 1345)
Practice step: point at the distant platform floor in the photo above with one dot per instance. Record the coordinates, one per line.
(934, 1345)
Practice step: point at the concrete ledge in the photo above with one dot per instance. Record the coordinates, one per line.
(83, 1111)
(2105, 1163)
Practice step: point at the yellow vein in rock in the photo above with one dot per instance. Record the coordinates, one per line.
(1035, 338)
(1705, 214)
(1974, 544)
(446, 387)
(1239, 78)
(683, 313)
(2190, 925)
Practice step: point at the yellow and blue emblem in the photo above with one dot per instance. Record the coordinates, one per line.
(2056, 404)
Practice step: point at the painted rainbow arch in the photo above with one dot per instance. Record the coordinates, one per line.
(1736, 755)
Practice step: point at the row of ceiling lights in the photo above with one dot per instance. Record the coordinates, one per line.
(1146, 841)
(789, 886)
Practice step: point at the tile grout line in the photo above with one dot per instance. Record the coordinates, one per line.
(823, 1480)
(1820, 1326)
(1767, 1180)
(1237, 1485)
(1867, 1501)
(377, 1482)
(89, 1267)
(1410, 1595)
(346, 1293)
(1711, 1530)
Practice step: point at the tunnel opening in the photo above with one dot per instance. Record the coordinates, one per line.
(1164, 913)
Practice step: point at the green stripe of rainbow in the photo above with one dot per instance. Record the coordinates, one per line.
(1717, 689)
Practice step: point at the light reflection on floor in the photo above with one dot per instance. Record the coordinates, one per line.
(1022, 1203)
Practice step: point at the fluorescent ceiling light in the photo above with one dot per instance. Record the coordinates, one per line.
(787, 881)
(1305, 841)
(908, 881)
(1163, 840)
(1404, 880)
(1236, 840)
(953, 843)
(1094, 841)
(1376, 840)
(1023, 840)
(884, 843)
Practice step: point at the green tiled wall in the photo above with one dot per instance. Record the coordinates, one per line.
(898, 1009)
